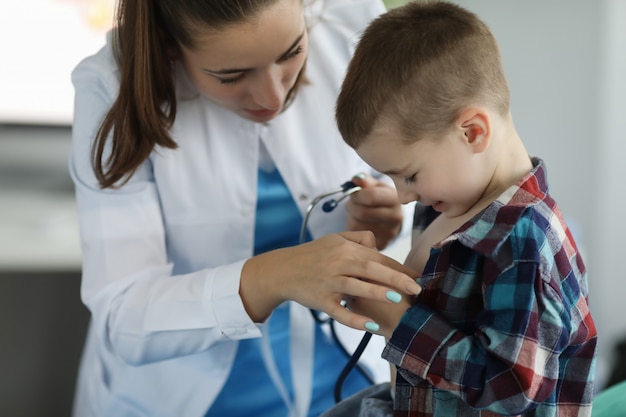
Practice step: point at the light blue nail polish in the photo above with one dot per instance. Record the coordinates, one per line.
(360, 175)
(393, 296)
(371, 326)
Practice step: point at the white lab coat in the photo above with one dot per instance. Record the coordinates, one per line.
(162, 256)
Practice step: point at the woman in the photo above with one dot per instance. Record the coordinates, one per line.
(202, 131)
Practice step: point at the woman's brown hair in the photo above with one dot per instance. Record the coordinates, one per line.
(146, 38)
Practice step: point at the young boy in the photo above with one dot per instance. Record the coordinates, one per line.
(502, 326)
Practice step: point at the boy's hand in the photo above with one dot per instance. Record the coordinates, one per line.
(376, 208)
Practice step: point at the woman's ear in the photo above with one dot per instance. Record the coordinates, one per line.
(475, 124)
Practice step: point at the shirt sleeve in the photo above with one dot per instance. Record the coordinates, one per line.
(140, 310)
(509, 362)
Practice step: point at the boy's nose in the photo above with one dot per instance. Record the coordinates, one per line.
(406, 195)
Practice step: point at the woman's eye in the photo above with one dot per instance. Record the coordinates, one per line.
(293, 53)
(410, 180)
(231, 80)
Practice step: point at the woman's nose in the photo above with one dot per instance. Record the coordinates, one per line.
(269, 92)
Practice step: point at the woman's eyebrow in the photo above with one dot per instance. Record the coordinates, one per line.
(227, 71)
(293, 45)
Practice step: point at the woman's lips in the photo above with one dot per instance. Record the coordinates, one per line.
(262, 114)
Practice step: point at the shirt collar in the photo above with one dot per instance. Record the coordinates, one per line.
(490, 228)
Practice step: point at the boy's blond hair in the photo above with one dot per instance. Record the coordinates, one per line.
(418, 66)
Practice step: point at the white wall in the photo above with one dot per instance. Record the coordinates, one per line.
(609, 202)
(566, 65)
(41, 43)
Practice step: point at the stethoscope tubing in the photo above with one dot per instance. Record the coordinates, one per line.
(346, 190)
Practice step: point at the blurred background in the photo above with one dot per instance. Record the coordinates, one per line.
(565, 62)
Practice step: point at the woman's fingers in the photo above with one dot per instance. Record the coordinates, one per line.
(353, 269)
(378, 268)
(353, 320)
(321, 273)
(363, 238)
(384, 290)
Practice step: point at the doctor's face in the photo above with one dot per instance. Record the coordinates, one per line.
(250, 67)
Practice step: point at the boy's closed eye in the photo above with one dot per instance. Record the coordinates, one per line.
(411, 179)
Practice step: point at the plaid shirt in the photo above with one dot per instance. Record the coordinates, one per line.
(502, 326)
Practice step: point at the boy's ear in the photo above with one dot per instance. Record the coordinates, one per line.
(475, 124)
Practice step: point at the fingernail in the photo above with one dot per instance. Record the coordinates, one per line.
(413, 288)
(360, 175)
(393, 296)
(371, 326)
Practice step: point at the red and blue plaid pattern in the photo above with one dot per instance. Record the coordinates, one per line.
(502, 326)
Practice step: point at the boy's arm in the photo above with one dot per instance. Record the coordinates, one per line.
(511, 362)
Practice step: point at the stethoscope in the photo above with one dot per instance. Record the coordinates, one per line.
(345, 190)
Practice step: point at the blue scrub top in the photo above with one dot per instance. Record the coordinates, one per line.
(249, 390)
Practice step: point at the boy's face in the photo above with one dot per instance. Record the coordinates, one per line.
(442, 171)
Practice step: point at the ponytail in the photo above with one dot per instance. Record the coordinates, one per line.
(145, 108)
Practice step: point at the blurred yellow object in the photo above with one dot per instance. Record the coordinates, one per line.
(99, 14)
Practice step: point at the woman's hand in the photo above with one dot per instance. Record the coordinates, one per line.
(386, 315)
(375, 208)
(321, 274)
